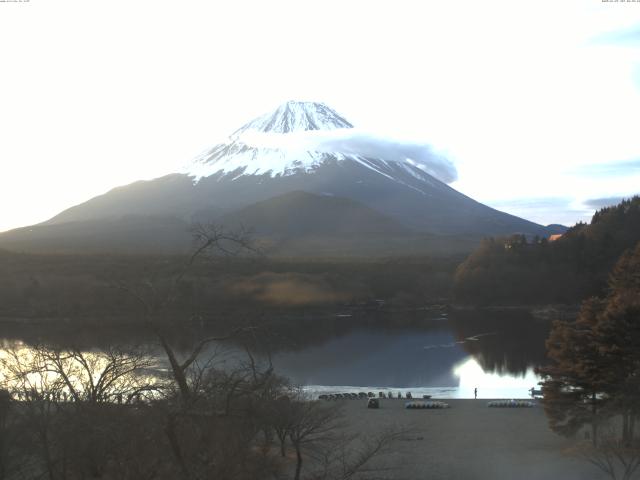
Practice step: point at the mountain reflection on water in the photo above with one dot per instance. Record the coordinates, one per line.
(495, 351)
(456, 351)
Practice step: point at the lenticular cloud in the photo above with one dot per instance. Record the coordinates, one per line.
(351, 141)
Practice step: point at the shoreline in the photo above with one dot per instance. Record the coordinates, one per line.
(436, 393)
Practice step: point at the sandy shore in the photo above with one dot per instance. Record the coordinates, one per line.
(470, 441)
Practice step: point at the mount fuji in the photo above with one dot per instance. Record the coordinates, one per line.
(296, 177)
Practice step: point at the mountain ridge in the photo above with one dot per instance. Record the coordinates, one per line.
(416, 202)
(301, 213)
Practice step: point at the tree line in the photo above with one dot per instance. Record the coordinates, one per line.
(521, 270)
(84, 288)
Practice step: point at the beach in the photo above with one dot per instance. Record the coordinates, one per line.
(468, 441)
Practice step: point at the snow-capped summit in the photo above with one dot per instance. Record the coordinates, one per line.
(272, 143)
(295, 116)
(300, 137)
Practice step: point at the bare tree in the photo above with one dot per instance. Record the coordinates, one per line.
(64, 395)
(323, 444)
(312, 423)
(352, 455)
(618, 458)
(217, 434)
(25, 379)
(210, 240)
(5, 441)
(114, 375)
(282, 421)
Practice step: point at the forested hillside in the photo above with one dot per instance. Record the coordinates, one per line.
(567, 270)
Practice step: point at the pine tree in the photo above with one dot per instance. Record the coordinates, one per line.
(575, 385)
(618, 331)
(596, 358)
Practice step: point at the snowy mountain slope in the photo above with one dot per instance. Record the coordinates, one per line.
(296, 116)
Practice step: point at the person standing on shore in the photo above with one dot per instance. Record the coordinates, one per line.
(475, 393)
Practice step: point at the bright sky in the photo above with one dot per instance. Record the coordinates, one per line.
(535, 102)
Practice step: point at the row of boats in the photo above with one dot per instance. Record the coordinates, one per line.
(427, 405)
(365, 395)
(511, 404)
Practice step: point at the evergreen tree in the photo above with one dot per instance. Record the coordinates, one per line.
(618, 331)
(596, 358)
(575, 385)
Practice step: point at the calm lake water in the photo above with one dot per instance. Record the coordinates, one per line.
(444, 354)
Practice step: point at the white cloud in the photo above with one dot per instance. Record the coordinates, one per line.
(598, 203)
(358, 142)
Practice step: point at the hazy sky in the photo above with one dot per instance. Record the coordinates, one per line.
(535, 102)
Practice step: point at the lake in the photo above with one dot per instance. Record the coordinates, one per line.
(438, 352)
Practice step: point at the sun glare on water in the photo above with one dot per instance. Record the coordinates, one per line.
(492, 385)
